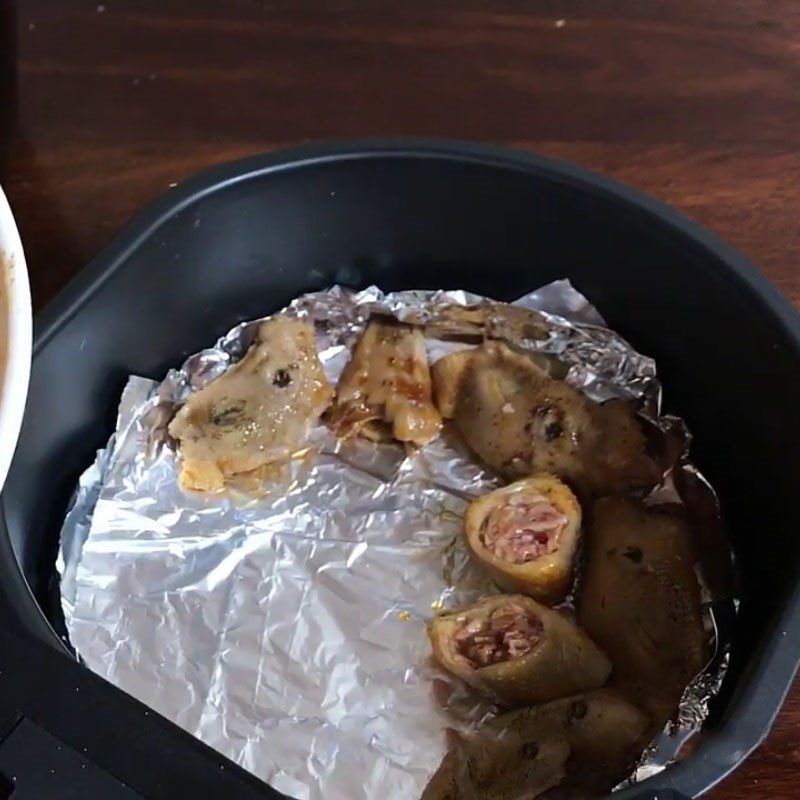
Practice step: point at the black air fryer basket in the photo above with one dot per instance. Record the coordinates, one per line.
(400, 215)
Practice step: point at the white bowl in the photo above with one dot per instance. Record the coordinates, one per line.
(15, 335)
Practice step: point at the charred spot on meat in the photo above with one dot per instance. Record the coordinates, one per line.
(282, 378)
(225, 415)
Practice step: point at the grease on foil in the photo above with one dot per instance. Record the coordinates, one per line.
(286, 627)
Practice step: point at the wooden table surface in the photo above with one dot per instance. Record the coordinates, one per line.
(696, 102)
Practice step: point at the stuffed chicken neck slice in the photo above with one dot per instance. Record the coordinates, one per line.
(520, 421)
(257, 413)
(385, 391)
(517, 651)
(527, 534)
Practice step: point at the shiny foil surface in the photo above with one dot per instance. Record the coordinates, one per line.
(285, 624)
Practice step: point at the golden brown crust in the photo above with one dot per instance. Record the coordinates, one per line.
(548, 577)
(564, 660)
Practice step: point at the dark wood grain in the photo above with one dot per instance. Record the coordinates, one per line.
(695, 102)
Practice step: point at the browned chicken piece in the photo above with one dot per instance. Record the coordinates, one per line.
(492, 320)
(459, 322)
(517, 651)
(257, 413)
(527, 535)
(385, 391)
(640, 601)
(491, 769)
(606, 734)
(520, 420)
(446, 374)
(588, 742)
(616, 459)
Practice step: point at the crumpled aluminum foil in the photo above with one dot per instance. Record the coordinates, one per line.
(285, 626)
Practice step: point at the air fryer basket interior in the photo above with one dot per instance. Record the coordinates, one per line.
(245, 239)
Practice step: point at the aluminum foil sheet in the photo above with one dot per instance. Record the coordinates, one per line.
(284, 625)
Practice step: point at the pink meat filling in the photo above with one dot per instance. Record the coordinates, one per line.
(508, 632)
(526, 527)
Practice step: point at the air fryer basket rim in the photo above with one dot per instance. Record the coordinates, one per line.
(769, 680)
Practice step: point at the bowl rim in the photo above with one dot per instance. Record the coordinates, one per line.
(15, 362)
(769, 675)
